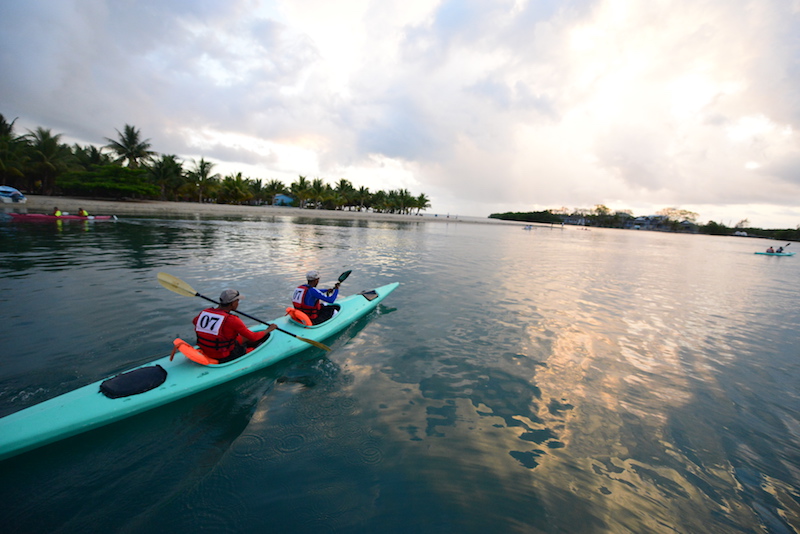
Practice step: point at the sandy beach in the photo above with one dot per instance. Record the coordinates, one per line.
(120, 208)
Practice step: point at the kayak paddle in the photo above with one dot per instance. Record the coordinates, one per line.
(342, 278)
(176, 285)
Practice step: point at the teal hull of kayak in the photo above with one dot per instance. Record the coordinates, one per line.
(776, 253)
(86, 408)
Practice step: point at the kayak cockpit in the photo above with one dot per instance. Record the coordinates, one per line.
(299, 318)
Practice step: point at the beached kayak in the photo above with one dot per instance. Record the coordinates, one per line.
(165, 380)
(41, 217)
(776, 253)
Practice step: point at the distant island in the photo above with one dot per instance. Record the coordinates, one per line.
(666, 220)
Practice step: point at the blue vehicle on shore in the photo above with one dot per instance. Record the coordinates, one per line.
(9, 195)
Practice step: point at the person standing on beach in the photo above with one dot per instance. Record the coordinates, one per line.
(308, 299)
(222, 335)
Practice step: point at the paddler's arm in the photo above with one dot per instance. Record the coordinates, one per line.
(324, 296)
(248, 334)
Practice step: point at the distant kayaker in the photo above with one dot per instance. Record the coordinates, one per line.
(308, 299)
(222, 335)
(770, 250)
(780, 249)
(82, 212)
(56, 212)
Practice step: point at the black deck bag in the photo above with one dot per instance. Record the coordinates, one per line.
(370, 294)
(134, 382)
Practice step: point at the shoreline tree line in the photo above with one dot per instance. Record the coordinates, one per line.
(126, 167)
(665, 220)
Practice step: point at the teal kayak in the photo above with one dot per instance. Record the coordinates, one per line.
(776, 253)
(169, 379)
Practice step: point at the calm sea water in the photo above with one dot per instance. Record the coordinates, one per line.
(553, 380)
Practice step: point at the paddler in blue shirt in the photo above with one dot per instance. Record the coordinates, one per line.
(308, 299)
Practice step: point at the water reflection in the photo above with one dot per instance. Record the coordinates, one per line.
(552, 380)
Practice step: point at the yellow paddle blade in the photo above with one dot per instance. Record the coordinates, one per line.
(176, 285)
(315, 343)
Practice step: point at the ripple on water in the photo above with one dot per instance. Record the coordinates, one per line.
(290, 443)
(203, 508)
(249, 446)
(370, 452)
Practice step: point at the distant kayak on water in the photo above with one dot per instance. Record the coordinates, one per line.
(41, 217)
(776, 253)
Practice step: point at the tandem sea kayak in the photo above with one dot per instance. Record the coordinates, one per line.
(41, 217)
(776, 253)
(166, 380)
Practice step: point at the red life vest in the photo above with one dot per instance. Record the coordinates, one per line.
(299, 301)
(209, 329)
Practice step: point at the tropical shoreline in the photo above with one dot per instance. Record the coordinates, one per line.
(150, 208)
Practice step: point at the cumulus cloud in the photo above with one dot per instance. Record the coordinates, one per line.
(484, 106)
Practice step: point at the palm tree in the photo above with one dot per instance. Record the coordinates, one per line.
(48, 158)
(256, 188)
(363, 197)
(201, 179)
(422, 202)
(346, 193)
(235, 189)
(167, 174)
(404, 200)
(319, 192)
(130, 147)
(380, 201)
(90, 156)
(336, 199)
(6, 128)
(13, 156)
(272, 189)
(301, 190)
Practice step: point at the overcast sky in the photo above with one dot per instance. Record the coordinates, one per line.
(485, 106)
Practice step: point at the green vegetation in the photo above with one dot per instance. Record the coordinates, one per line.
(108, 180)
(126, 167)
(544, 217)
(786, 234)
(666, 220)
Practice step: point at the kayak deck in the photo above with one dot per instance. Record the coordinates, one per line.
(776, 253)
(86, 408)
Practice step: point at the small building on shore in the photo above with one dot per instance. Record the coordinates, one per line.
(282, 200)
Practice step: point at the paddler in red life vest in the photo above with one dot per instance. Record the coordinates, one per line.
(222, 335)
(308, 299)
